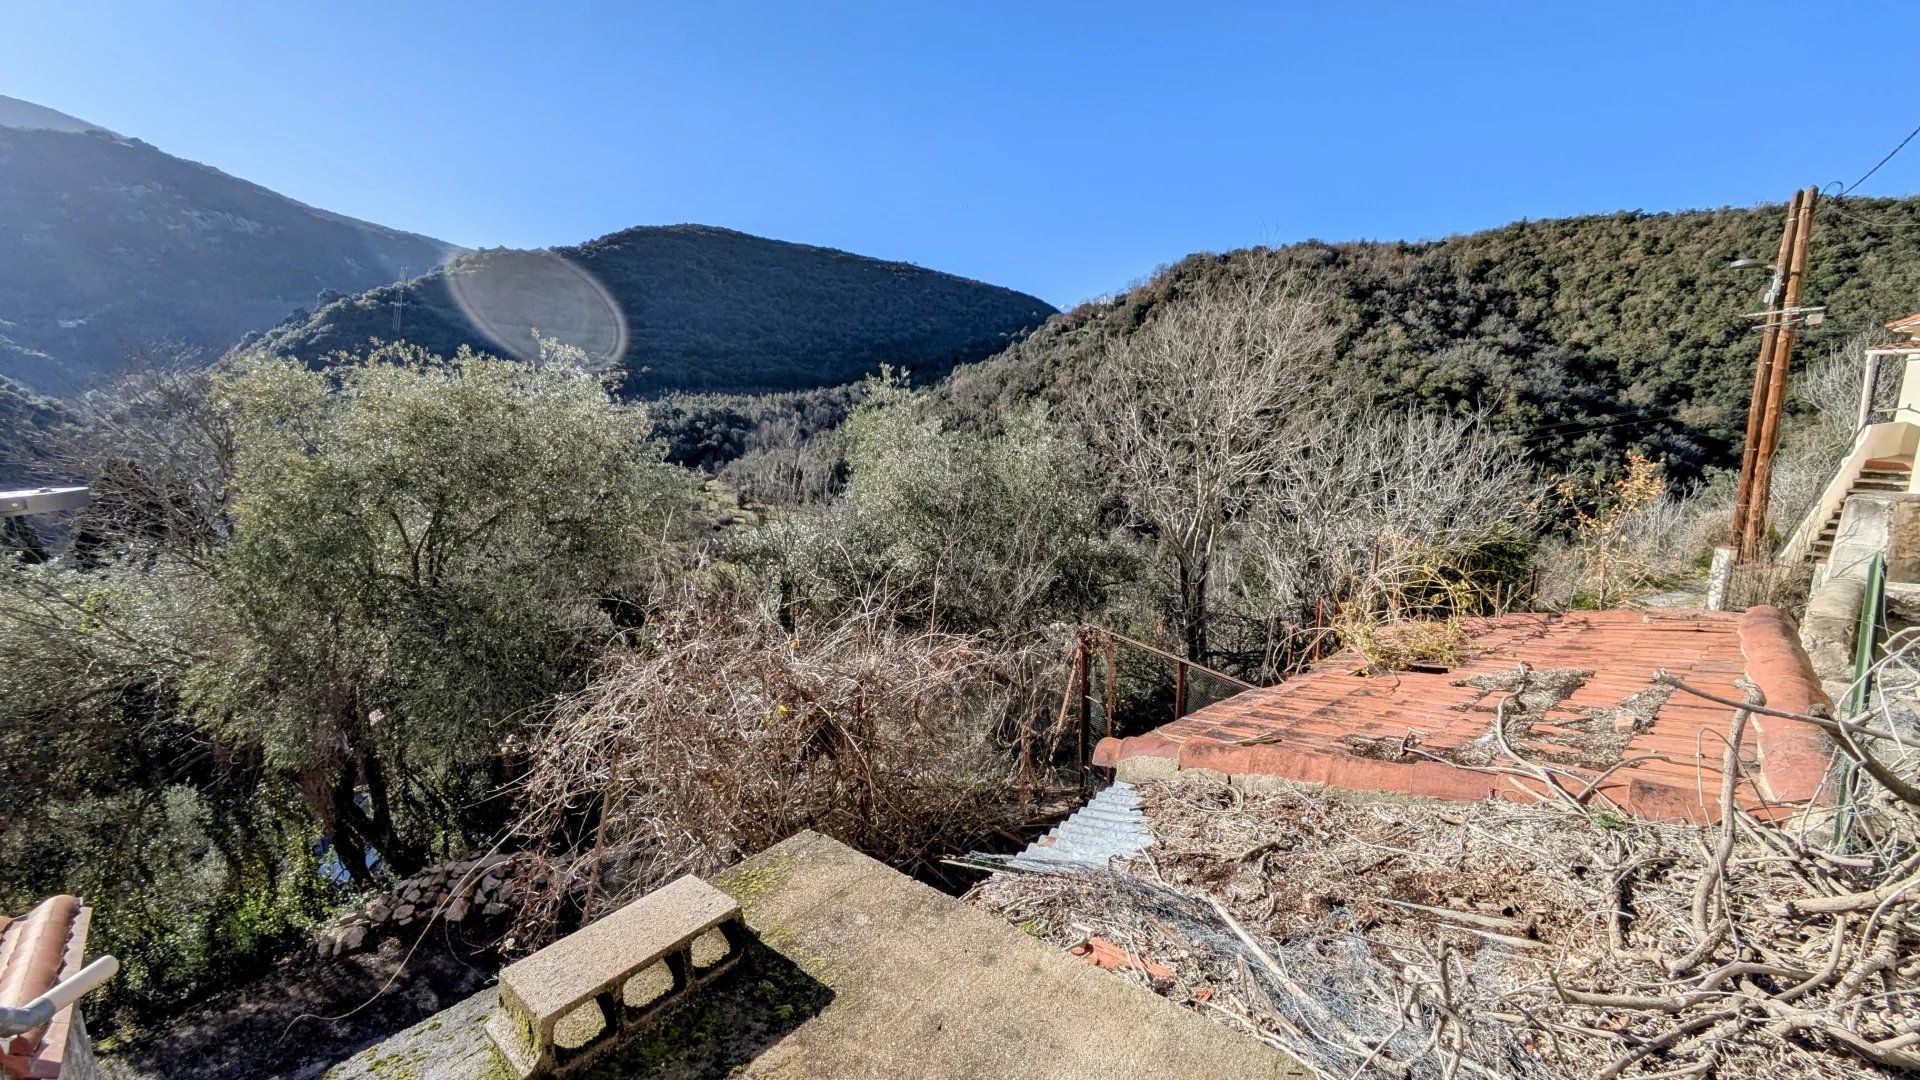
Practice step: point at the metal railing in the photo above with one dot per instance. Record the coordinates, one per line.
(20, 1019)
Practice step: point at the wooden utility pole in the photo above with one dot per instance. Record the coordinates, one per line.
(1782, 365)
(1762, 384)
(1770, 380)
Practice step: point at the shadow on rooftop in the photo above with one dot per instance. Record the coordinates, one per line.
(724, 1025)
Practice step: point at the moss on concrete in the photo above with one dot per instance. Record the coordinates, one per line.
(725, 1025)
(403, 1065)
(753, 881)
(496, 1068)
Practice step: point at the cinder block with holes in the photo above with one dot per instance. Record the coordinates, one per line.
(573, 1000)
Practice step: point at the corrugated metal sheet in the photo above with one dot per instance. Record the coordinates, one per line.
(1110, 826)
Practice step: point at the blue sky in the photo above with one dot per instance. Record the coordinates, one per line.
(1063, 149)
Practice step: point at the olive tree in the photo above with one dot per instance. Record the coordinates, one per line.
(421, 551)
(949, 530)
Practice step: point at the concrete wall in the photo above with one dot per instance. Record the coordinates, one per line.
(1878, 524)
(78, 1063)
(1899, 439)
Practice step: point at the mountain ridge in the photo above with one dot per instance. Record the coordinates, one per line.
(1581, 336)
(26, 116)
(109, 246)
(701, 307)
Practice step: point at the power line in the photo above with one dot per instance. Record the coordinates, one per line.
(1656, 418)
(1840, 208)
(1883, 161)
(1548, 429)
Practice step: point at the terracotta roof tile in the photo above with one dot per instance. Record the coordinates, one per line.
(37, 950)
(1333, 726)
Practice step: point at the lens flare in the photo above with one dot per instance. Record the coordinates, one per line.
(512, 296)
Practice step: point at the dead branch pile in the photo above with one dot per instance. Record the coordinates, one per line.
(1497, 939)
(723, 733)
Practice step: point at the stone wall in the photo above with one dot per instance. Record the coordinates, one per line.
(457, 892)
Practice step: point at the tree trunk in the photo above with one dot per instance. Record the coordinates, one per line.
(349, 828)
(403, 857)
(349, 844)
(1193, 607)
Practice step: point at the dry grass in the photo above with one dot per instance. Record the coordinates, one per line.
(1398, 646)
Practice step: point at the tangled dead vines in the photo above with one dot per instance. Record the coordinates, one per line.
(723, 733)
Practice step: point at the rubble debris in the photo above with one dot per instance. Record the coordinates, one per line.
(452, 892)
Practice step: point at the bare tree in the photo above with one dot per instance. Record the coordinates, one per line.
(1192, 416)
(1376, 493)
(157, 452)
(1829, 388)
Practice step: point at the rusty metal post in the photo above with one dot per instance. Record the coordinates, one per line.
(1082, 665)
(1180, 690)
(1756, 534)
(1757, 404)
(1319, 625)
(1112, 695)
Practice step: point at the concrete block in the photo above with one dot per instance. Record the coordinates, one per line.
(652, 983)
(1903, 541)
(1720, 577)
(579, 1027)
(1827, 629)
(568, 996)
(708, 950)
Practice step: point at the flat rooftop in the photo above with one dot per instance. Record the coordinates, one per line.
(863, 972)
(1587, 702)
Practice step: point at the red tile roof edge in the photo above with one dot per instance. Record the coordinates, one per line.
(37, 950)
(1111, 750)
(1793, 756)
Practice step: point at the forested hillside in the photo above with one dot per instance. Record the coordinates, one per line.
(703, 309)
(1582, 336)
(108, 245)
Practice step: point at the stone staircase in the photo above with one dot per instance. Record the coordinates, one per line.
(1111, 825)
(1878, 475)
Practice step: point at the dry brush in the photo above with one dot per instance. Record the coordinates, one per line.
(724, 732)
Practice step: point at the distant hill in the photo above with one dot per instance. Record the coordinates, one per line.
(108, 245)
(1581, 336)
(698, 308)
(25, 115)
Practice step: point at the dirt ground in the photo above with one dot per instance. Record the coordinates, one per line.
(300, 1019)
